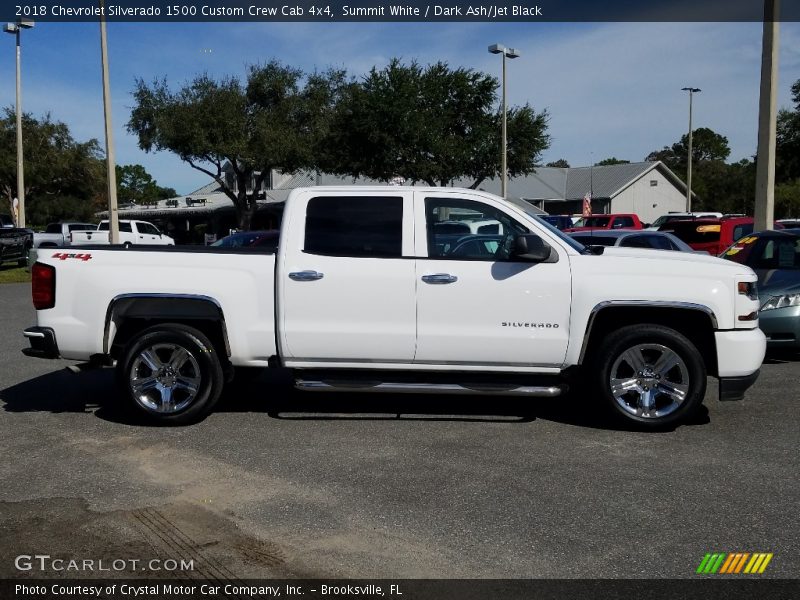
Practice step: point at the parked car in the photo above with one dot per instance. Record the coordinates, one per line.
(359, 297)
(788, 223)
(250, 239)
(682, 216)
(14, 242)
(130, 233)
(561, 222)
(711, 235)
(57, 234)
(657, 240)
(775, 257)
(615, 221)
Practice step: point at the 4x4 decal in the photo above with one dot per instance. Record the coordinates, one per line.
(65, 255)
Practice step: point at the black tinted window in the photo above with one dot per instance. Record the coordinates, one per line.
(596, 240)
(123, 227)
(742, 230)
(647, 241)
(620, 222)
(355, 226)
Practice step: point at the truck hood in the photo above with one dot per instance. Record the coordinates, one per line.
(671, 257)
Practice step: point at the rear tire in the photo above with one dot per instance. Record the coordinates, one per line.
(650, 375)
(171, 373)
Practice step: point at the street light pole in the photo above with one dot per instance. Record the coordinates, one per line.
(764, 210)
(507, 53)
(16, 28)
(691, 91)
(113, 216)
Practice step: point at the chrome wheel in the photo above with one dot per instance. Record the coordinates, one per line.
(164, 378)
(649, 381)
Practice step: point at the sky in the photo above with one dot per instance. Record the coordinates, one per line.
(611, 89)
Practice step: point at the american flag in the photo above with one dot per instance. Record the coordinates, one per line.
(587, 205)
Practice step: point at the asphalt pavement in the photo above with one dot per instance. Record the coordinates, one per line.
(278, 483)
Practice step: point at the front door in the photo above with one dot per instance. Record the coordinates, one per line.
(475, 306)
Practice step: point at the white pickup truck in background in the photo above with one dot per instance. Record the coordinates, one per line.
(57, 235)
(130, 233)
(371, 290)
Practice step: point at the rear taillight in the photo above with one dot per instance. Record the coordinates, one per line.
(43, 286)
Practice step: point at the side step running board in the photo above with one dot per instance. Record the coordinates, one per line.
(431, 388)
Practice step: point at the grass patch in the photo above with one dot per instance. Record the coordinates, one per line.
(14, 275)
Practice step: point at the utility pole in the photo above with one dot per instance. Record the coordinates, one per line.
(113, 216)
(767, 116)
(691, 91)
(15, 29)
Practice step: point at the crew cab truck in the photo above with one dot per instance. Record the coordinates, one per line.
(57, 235)
(360, 295)
(130, 233)
(616, 221)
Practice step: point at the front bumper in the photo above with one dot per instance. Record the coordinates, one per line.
(733, 388)
(43, 342)
(740, 352)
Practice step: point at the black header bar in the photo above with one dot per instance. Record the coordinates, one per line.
(398, 11)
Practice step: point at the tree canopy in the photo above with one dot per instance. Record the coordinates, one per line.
(560, 163)
(611, 161)
(64, 178)
(716, 184)
(431, 124)
(787, 165)
(273, 120)
(135, 185)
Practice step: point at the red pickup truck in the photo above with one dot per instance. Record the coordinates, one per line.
(615, 221)
(711, 235)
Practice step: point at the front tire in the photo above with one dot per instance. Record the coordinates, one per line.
(171, 373)
(650, 375)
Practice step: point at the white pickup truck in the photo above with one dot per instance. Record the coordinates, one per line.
(57, 235)
(370, 290)
(130, 233)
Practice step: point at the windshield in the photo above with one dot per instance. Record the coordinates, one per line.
(770, 252)
(529, 210)
(660, 221)
(596, 222)
(572, 243)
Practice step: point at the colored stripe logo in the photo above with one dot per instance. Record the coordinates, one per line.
(734, 563)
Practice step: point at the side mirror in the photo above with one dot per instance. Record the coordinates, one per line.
(529, 246)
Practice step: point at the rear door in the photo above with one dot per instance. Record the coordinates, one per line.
(346, 283)
(477, 308)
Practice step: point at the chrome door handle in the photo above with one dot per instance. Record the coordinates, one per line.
(305, 276)
(439, 278)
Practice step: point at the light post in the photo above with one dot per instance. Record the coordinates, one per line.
(113, 215)
(691, 91)
(507, 53)
(15, 29)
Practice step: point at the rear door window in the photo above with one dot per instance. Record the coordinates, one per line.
(358, 226)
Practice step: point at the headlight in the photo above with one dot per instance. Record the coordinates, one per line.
(781, 302)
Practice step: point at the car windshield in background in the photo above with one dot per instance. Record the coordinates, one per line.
(692, 232)
(773, 251)
(573, 243)
(595, 222)
(247, 239)
(595, 240)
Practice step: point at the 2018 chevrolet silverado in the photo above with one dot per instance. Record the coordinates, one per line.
(367, 292)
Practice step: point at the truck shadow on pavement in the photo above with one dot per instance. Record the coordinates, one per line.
(272, 394)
